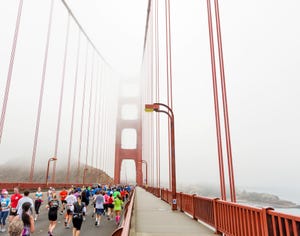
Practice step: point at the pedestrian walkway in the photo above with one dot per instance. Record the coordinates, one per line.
(152, 216)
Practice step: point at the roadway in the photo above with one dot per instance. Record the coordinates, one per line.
(88, 226)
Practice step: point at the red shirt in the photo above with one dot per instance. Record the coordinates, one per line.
(110, 200)
(63, 194)
(14, 199)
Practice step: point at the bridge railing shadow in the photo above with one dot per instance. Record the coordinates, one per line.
(232, 218)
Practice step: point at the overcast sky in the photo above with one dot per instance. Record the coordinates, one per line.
(261, 52)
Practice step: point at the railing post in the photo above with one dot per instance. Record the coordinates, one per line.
(180, 196)
(194, 206)
(264, 219)
(215, 209)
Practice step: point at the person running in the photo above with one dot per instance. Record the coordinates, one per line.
(110, 206)
(15, 227)
(27, 219)
(79, 209)
(5, 205)
(53, 207)
(70, 199)
(63, 194)
(99, 200)
(24, 199)
(14, 200)
(85, 200)
(49, 194)
(105, 204)
(118, 203)
(38, 201)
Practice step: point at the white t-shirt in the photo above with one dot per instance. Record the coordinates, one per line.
(21, 202)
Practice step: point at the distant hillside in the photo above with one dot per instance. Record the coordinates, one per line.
(15, 174)
(243, 197)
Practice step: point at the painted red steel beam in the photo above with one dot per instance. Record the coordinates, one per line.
(10, 68)
(73, 108)
(82, 111)
(61, 97)
(37, 126)
(157, 95)
(225, 104)
(216, 103)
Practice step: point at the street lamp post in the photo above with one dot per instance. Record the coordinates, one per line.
(155, 107)
(84, 175)
(146, 165)
(47, 172)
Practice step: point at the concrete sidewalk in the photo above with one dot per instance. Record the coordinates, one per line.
(152, 216)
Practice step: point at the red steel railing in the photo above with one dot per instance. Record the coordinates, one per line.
(23, 185)
(233, 219)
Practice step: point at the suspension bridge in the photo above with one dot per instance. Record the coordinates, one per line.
(68, 118)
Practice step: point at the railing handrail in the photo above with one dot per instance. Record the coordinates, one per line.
(124, 228)
(233, 218)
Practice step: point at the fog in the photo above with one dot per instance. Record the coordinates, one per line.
(261, 53)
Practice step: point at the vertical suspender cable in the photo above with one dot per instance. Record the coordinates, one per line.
(95, 112)
(61, 97)
(89, 116)
(105, 139)
(10, 68)
(157, 97)
(170, 58)
(82, 111)
(73, 108)
(168, 89)
(152, 118)
(169, 76)
(99, 123)
(225, 106)
(102, 126)
(37, 126)
(216, 103)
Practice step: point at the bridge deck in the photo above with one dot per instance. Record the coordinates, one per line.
(153, 216)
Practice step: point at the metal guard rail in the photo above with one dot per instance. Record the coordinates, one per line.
(233, 219)
(124, 228)
(23, 185)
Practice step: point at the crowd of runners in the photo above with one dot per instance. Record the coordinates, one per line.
(22, 211)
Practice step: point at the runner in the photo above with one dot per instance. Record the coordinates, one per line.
(85, 200)
(49, 194)
(15, 227)
(70, 199)
(38, 201)
(24, 199)
(53, 207)
(27, 219)
(99, 200)
(110, 206)
(105, 204)
(14, 200)
(63, 194)
(5, 205)
(117, 208)
(79, 209)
